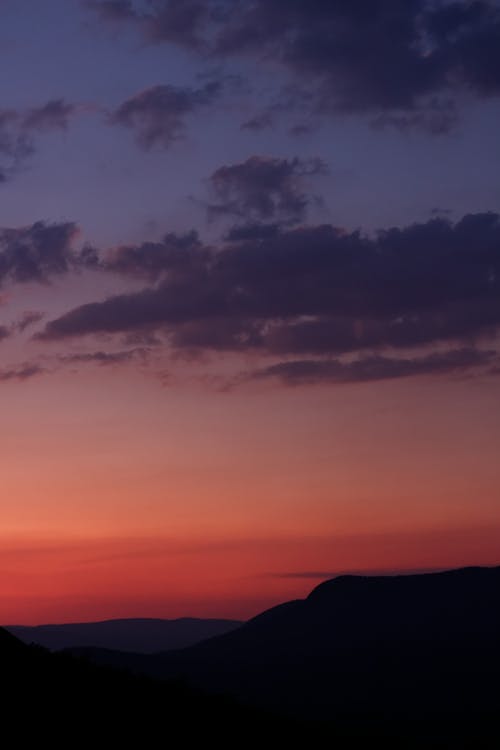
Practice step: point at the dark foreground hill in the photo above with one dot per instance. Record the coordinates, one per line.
(60, 701)
(420, 652)
(143, 636)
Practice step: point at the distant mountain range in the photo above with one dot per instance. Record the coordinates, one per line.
(59, 701)
(413, 648)
(396, 662)
(144, 636)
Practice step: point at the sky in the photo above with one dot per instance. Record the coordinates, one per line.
(249, 300)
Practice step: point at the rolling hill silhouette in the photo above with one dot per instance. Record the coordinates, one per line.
(56, 700)
(139, 635)
(413, 650)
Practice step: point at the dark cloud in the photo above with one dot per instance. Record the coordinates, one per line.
(361, 56)
(88, 257)
(292, 100)
(436, 211)
(261, 121)
(4, 332)
(301, 128)
(467, 35)
(383, 56)
(16, 146)
(113, 10)
(189, 23)
(17, 128)
(315, 291)
(184, 22)
(150, 308)
(259, 231)
(314, 574)
(307, 371)
(28, 370)
(54, 115)
(218, 332)
(27, 319)
(176, 255)
(36, 252)
(438, 117)
(326, 575)
(22, 372)
(158, 115)
(104, 358)
(263, 188)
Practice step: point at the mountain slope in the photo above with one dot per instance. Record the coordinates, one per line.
(146, 635)
(408, 648)
(59, 701)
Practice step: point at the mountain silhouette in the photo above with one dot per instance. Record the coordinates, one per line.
(413, 650)
(139, 635)
(57, 700)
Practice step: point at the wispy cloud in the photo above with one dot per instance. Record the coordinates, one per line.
(158, 115)
(21, 372)
(340, 51)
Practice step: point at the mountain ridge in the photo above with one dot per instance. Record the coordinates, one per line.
(350, 642)
(318, 665)
(137, 635)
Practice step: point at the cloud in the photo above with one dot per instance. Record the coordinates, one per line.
(467, 35)
(54, 115)
(16, 146)
(439, 117)
(264, 188)
(248, 231)
(104, 359)
(158, 115)
(328, 574)
(113, 10)
(260, 121)
(307, 574)
(175, 256)
(292, 100)
(53, 364)
(36, 252)
(27, 319)
(301, 372)
(22, 372)
(125, 312)
(403, 59)
(383, 55)
(314, 294)
(182, 22)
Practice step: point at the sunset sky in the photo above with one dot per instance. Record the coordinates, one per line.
(249, 299)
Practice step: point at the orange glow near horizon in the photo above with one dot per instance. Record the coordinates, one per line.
(92, 579)
(123, 498)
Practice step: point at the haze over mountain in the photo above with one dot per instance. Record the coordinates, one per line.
(140, 635)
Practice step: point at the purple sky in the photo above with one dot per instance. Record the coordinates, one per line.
(288, 204)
